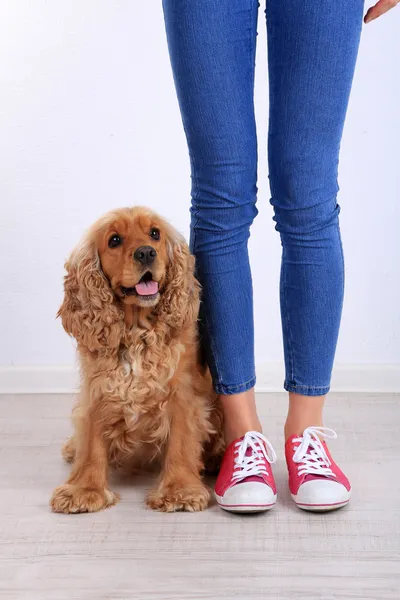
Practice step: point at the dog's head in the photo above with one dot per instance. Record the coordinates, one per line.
(135, 250)
(129, 257)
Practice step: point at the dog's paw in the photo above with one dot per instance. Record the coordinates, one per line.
(71, 498)
(68, 450)
(173, 498)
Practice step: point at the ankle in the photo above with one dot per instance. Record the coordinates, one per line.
(240, 415)
(297, 427)
(304, 411)
(237, 430)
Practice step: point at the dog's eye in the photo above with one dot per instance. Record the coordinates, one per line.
(114, 241)
(155, 233)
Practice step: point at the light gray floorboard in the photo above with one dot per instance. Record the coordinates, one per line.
(129, 552)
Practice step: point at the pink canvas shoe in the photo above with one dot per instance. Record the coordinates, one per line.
(315, 481)
(245, 482)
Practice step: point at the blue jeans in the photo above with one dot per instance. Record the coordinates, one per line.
(312, 49)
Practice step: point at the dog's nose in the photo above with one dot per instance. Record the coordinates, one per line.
(145, 255)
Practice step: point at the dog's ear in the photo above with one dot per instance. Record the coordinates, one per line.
(89, 312)
(180, 301)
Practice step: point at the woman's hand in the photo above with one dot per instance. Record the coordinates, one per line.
(379, 9)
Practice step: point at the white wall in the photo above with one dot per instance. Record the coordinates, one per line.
(89, 121)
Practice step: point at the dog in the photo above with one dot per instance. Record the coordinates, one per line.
(131, 302)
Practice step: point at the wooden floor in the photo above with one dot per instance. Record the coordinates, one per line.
(129, 552)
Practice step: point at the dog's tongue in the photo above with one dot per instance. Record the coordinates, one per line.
(147, 288)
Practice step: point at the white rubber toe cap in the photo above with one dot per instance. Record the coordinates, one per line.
(249, 496)
(321, 494)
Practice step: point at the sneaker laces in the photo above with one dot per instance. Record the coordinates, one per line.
(311, 454)
(254, 462)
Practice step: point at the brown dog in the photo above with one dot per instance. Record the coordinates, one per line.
(131, 302)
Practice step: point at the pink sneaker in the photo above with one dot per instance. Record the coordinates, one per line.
(245, 482)
(315, 480)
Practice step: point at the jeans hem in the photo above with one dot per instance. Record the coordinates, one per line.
(228, 390)
(306, 390)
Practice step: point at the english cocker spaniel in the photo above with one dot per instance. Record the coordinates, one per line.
(131, 302)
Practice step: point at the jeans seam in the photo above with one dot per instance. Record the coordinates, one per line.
(343, 264)
(288, 325)
(306, 390)
(308, 387)
(214, 354)
(253, 43)
(236, 386)
(195, 195)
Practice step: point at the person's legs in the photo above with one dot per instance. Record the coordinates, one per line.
(212, 49)
(312, 49)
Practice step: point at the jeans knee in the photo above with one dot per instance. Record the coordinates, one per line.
(308, 221)
(304, 187)
(223, 207)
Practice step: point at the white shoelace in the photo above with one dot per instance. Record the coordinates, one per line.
(261, 451)
(310, 454)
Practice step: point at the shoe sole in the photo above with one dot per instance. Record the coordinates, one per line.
(246, 508)
(321, 507)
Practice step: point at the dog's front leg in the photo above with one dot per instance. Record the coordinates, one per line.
(180, 486)
(86, 489)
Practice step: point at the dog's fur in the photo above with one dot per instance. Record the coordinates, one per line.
(144, 395)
